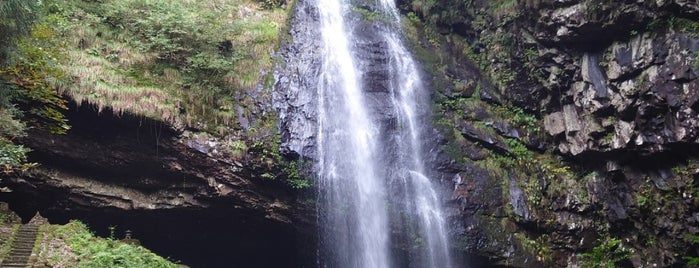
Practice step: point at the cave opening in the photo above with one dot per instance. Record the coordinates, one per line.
(213, 237)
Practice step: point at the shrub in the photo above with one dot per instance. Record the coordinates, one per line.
(607, 254)
(100, 252)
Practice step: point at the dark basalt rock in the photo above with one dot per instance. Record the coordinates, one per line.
(615, 86)
(296, 79)
(180, 194)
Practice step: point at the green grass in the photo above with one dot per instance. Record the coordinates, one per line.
(502, 8)
(185, 62)
(75, 246)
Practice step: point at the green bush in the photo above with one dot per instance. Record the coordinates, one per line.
(33, 78)
(100, 252)
(606, 255)
(12, 156)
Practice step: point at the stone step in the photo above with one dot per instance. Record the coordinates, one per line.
(14, 263)
(24, 256)
(19, 245)
(25, 236)
(26, 233)
(20, 262)
(20, 252)
(22, 244)
(22, 247)
(15, 259)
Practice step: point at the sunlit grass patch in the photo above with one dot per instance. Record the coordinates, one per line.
(181, 61)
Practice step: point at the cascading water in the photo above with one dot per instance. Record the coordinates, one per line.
(422, 198)
(354, 192)
(348, 75)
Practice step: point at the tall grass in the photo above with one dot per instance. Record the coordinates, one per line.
(168, 59)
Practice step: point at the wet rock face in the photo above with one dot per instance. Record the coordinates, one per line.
(587, 24)
(178, 192)
(642, 95)
(628, 80)
(614, 87)
(297, 77)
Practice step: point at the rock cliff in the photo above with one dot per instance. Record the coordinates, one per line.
(569, 128)
(566, 136)
(184, 194)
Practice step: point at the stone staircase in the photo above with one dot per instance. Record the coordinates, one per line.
(21, 247)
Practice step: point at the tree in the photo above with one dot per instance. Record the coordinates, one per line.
(27, 66)
(16, 17)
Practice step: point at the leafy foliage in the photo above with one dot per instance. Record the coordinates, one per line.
(684, 25)
(33, 77)
(295, 178)
(692, 261)
(293, 172)
(606, 254)
(16, 17)
(12, 156)
(28, 75)
(99, 252)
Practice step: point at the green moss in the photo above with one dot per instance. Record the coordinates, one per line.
(367, 14)
(503, 8)
(684, 25)
(537, 247)
(608, 138)
(518, 150)
(692, 261)
(644, 197)
(607, 254)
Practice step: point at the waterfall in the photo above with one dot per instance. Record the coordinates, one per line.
(408, 98)
(348, 75)
(352, 191)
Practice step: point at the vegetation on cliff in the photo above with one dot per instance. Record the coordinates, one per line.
(599, 192)
(27, 65)
(200, 66)
(190, 64)
(73, 245)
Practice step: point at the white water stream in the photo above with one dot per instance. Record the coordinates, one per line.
(357, 166)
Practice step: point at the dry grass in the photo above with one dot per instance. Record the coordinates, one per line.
(109, 71)
(102, 82)
(502, 8)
